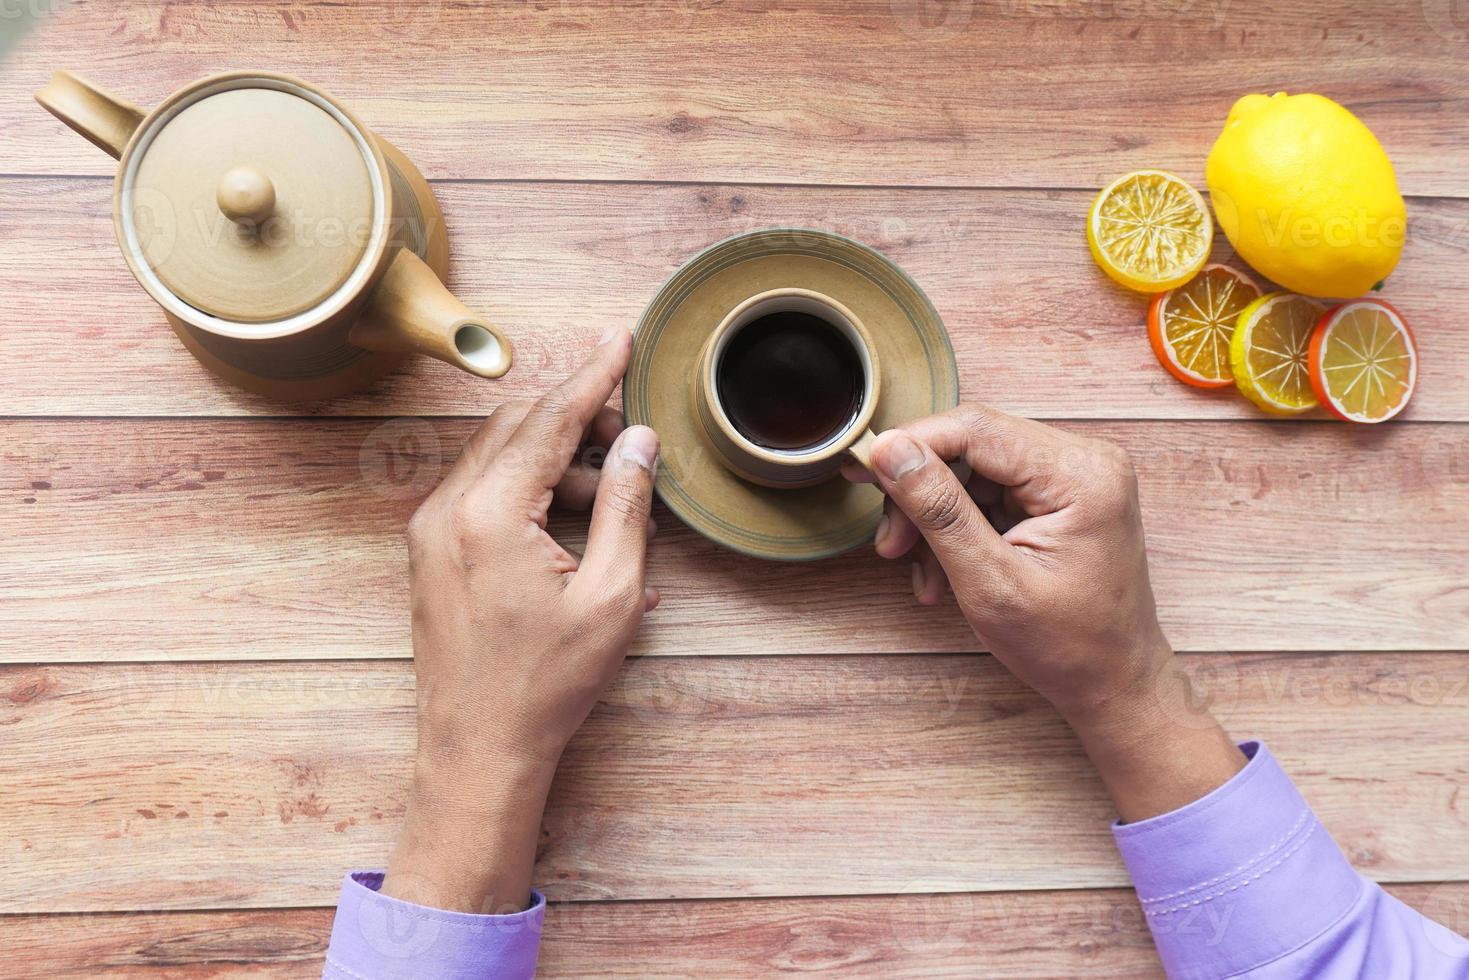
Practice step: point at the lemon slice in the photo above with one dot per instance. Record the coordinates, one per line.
(1364, 363)
(1190, 327)
(1150, 231)
(1270, 349)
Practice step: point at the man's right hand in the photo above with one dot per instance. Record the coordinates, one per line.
(1043, 549)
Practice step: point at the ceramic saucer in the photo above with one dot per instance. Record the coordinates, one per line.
(919, 378)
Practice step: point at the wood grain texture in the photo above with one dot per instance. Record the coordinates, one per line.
(1037, 329)
(1070, 934)
(141, 540)
(971, 92)
(583, 151)
(255, 785)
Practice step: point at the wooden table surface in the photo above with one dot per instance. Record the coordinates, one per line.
(206, 699)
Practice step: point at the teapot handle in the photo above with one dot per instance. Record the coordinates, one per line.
(107, 121)
(411, 310)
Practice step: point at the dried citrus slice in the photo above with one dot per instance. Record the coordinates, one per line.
(1364, 363)
(1150, 231)
(1268, 352)
(1190, 327)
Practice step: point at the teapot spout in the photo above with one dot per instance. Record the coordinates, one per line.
(107, 121)
(411, 310)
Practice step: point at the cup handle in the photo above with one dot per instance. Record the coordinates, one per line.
(107, 121)
(861, 450)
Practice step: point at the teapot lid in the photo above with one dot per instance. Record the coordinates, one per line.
(252, 200)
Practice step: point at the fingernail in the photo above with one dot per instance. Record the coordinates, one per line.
(918, 579)
(639, 444)
(610, 335)
(882, 530)
(899, 457)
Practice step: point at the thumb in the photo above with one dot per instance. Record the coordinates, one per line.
(926, 490)
(617, 541)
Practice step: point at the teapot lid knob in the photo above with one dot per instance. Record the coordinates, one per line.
(245, 195)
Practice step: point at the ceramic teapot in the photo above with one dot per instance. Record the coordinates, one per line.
(295, 253)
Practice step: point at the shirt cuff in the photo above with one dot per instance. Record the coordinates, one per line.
(1237, 878)
(375, 937)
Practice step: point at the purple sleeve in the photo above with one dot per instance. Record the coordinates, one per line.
(1246, 881)
(375, 937)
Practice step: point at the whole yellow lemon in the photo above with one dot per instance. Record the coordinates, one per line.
(1306, 194)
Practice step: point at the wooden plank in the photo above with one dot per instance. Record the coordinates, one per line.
(269, 945)
(255, 785)
(1037, 329)
(142, 540)
(1075, 934)
(998, 93)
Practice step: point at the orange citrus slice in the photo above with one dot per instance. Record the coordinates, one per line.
(1268, 352)
(1364, 362)
(1150, 231)
(1190, 327)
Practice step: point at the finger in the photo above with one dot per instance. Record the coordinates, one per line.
(482, 444)
(606, 427)
(537, 455)
(578, 488)
(1039, 463)
(930, 582)
(617, 541)
(932, 497)
(651, 598)
(898, 536)
(492, 434)
(855, 472)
